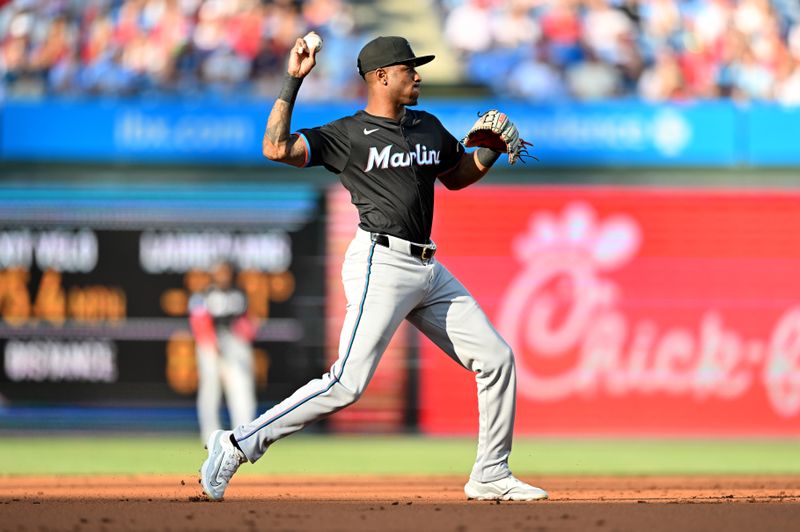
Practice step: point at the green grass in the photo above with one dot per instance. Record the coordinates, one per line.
(65, 455)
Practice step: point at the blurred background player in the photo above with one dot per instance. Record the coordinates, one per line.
(223, 333)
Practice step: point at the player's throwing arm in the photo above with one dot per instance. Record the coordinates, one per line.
(278, 144)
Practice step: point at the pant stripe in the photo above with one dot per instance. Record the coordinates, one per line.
(336, 378)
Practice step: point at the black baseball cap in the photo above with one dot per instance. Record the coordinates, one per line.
(387, 51)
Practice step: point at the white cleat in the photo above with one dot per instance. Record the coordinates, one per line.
(505, 489)
(222, 462)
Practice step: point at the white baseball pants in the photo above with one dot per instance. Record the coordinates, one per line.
(228, 368)
(384, 286)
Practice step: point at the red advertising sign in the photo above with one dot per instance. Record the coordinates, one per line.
(630, 310)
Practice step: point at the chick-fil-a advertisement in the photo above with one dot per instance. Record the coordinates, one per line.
(629, 310)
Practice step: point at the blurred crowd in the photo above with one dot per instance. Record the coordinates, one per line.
(550, 50)
(137, 47)
(536, 50)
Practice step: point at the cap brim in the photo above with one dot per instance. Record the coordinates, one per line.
(421, 60)
(414, 61)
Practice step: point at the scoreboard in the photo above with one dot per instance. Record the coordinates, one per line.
(95, 280)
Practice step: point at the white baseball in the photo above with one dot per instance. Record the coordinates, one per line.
(313, 41)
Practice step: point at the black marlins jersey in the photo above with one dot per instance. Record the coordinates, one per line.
(389, 167)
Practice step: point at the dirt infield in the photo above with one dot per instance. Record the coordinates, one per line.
(398, 503)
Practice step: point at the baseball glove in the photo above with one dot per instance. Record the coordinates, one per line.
(495, 131)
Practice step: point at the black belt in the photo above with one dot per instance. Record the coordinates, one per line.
(422, 252)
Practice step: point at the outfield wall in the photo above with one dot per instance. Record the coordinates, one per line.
(631, 310)
(674, 310)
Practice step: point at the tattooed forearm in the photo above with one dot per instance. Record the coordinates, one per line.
(281, 115)
(278, 144)
(279, 121)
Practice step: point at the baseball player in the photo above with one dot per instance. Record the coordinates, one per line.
(222, 333)
(389, 156)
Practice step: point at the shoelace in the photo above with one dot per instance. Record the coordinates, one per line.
(229, 465)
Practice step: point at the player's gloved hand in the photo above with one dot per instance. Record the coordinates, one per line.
(301, 59)
(495, 131)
